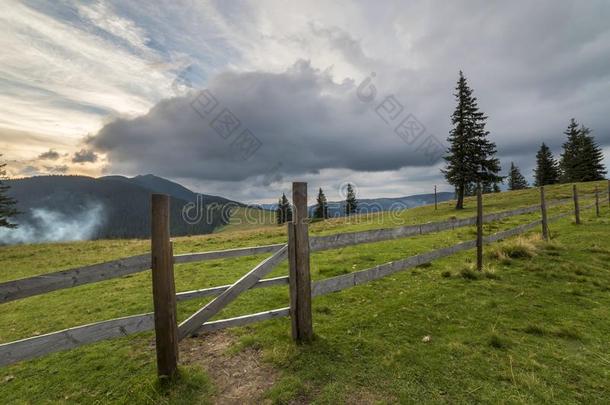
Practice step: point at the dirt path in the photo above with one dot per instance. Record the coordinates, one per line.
(240, 378)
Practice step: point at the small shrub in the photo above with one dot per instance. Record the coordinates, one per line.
(446, 274)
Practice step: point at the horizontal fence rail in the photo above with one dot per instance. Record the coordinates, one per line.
(37, 346)
(74, 337)
(206, 292)
(45, 283)
(226, 254)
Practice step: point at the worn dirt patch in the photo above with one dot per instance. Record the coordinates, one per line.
(240, 378)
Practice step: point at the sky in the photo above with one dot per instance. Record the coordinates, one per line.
(240, 98)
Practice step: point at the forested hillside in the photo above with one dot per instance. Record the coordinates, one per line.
(52, 207)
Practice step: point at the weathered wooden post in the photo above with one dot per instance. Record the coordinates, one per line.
(545, 223)
(596, 201)
(164, 290)
(479, 228)
(576, 205)
(298, 260)
(435, 199)
(608, 193)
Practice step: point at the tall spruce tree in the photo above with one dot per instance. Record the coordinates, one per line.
(321, 210)
(516, 181)
(592, 168)
(582, 157)
(279, 217)
(547, 168)
(471, 155)
(351, 204)
(7, 204)
(571, 157)
(284, 210)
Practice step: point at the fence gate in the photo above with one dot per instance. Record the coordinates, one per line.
(297, 251)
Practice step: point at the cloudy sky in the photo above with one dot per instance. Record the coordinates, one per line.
(241, 98)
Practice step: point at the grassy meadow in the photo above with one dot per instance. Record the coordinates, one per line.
(533, 327)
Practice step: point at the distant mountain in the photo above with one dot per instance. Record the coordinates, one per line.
(370, 205)
(337, 208)
(160, 185)
(78, 207)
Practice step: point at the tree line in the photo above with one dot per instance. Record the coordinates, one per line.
(283, 211)
(471, 157)
(7, 204)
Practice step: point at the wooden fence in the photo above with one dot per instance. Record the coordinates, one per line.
(296, 251)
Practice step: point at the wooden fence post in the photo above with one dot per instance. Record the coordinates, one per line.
(608, 193)
(596, 201)
(298, 258)
(545, 223)
(435, 199)
(479, 228)
(164, 290)
(576, 205)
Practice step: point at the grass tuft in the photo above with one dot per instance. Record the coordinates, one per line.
(498, 342)
(567, 333)
(535, 330)
(517, 248)
(490, 274)
(469, 274)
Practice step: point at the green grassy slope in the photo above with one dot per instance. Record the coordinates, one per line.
(245, 218)
(533, 329)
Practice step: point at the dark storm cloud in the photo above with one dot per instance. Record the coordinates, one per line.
(84, 156)
(533, 66)
(300, 118)
(49, 155)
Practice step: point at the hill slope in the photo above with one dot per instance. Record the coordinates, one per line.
(158, 184)
(77, 207)
(532, 329)
(368, 205)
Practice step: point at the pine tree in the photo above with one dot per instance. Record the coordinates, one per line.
(516, 181)
(571, 158)
(287, 210)
(7, 204)
(351, 204)
(582, 157)
(283, 212)
(321, 210)
(471, 155)
(547, 168)
(592, 168)
(279, 216)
